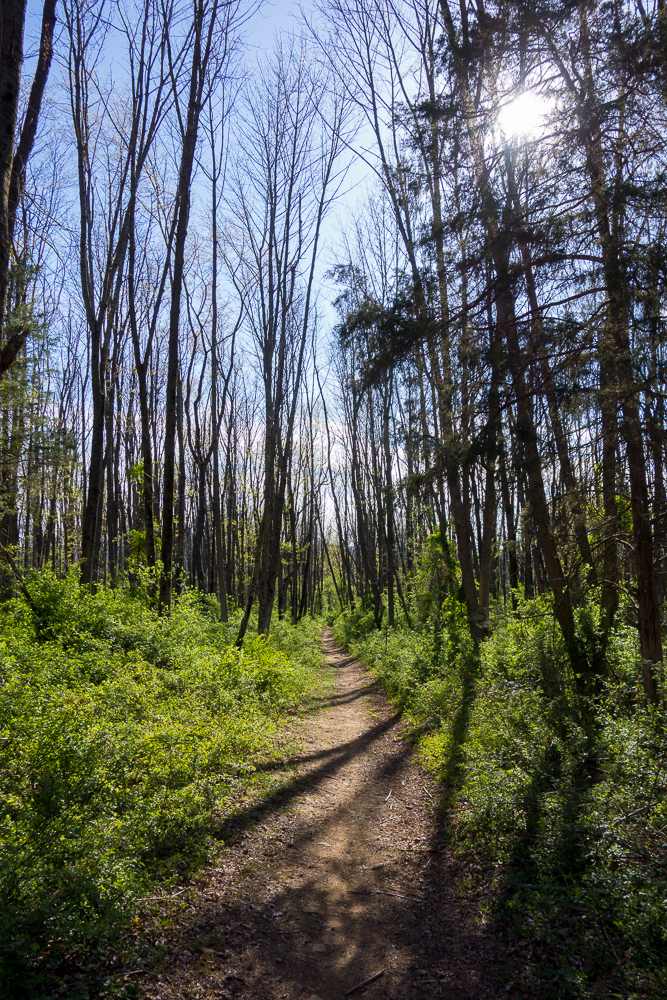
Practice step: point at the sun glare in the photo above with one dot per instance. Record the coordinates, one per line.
(524, 115)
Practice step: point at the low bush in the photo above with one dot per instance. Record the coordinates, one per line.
(124, 738)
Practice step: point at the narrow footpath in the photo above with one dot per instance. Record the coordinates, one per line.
(343, 877)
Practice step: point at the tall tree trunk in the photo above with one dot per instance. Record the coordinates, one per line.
(572, 490)
(197, 564)
(13, 164)
(199, 73)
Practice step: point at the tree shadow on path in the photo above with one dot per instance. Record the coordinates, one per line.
(336, 882)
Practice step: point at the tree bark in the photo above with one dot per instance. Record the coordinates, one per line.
(12, 13)
(199, 68)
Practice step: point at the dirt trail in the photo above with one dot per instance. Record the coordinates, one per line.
(342, 878)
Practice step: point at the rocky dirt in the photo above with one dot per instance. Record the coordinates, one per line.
(344, 876)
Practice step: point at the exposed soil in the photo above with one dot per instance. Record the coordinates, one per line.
(342, 877)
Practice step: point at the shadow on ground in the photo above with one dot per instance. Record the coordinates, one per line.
(357, 889)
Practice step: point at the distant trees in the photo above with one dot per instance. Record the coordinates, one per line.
(285, 174)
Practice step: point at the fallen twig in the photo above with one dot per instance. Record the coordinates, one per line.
(427, 791)
(387, 799)
(364, 982)
(381, 892)
(158, 899)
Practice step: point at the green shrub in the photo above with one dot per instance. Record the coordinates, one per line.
(123, 740)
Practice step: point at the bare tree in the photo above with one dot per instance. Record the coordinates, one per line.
(285, 184)
(211, 39)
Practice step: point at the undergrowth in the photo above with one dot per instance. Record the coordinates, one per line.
(555, 801)
(124, 739)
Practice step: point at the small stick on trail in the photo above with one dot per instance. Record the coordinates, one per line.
(364, 982)
(381, 892)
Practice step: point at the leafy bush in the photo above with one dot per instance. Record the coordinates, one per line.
(123, 740)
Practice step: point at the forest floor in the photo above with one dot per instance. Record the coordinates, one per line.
(337, 876)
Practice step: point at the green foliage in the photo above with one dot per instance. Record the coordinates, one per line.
(383, 333)
(124, 738)
(436, 579)
(436, 576)
(556, 801)
(135, 475)
(353, 625)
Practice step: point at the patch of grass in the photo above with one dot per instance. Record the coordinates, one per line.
(555, 801)
(125, 740)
